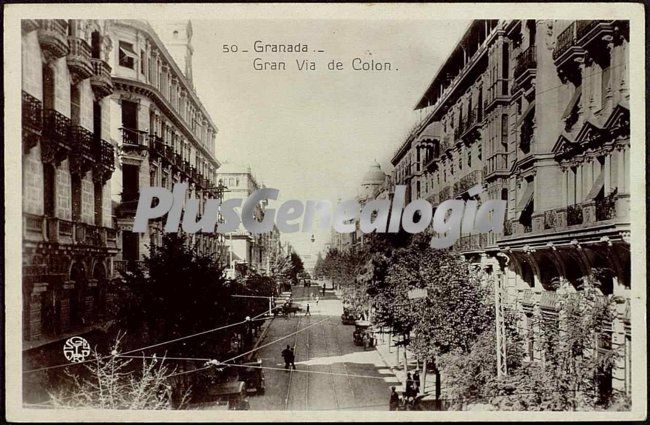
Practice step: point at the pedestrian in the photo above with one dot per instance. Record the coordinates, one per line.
(416, 381)
(292, 358)
(307, 313)
(317, 299)
(287, 355)
(323, 289)
(409, 384)
(393, 404)
(366, 341)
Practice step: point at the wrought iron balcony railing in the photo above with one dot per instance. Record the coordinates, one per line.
(565, 40)
(134, 138)
(525, 61)
(32, 116)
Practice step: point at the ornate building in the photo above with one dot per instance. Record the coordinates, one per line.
(537, 112)
(68, 158)
(245, 251)
(165, 135)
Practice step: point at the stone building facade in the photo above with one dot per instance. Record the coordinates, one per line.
(537, 113)
(165, 135)
(245, 251)
(68, 158)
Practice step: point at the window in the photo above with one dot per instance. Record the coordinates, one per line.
(99, 190)
(469, 159)
(75, 104)
(504, 130)
(143, 60)
(127, 55)
(95, 45)
(76, 197)
(49, 186)
(505, 65)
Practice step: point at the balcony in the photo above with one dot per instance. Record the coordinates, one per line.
(53, 37)
(122, 267)
(471, 243)
(469, 130)
(526, 68)
(104, 157)
(605, 208)
(445, 193)
(591, 31)
(100, 80)
(566, 52)
(134, 139)
(56, 136)
(81, 157)
(574, 215)
(79, 59)
(467, 182)
(496, 165)
(32, 116)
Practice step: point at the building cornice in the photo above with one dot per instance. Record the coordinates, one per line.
(148, 31)
(149, 91)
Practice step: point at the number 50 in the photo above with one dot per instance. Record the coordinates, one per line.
(232, 48)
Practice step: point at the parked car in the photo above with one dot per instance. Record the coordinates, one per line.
(223, 396)
(361, 328)
(253, 376)
(348, 317)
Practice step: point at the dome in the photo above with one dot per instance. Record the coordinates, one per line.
(374, 176)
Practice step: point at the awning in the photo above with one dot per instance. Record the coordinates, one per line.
(527, 198)
(528, 110)
(573, 102)
(127, 49)
(598, 184)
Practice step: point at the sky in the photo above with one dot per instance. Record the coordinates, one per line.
(313, 134)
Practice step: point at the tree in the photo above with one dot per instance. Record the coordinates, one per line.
(177, 291)
(318, 266)
(570, 375)
(454, 311)
(297, 267)
(111, 382)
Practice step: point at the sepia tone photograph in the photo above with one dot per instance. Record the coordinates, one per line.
(412, 212)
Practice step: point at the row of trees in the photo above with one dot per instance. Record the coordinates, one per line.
(177, 291)
(453, 328)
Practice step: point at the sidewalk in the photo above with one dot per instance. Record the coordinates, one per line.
(389, 355)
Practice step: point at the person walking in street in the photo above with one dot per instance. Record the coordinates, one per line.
(317, 299)
(416, 381)
(307, 313)
(366, 342)
(292, 358)
(323, 289)
(409, 385)
(287, 355)
(393, 404)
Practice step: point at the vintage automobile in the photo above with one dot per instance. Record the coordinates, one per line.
(361, 328)
(224, 396)
(253, 375)
(348, 317)
(287, 308)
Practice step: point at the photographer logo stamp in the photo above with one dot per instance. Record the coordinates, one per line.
(76, 349)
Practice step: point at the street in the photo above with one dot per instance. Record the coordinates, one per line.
(331, 372)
